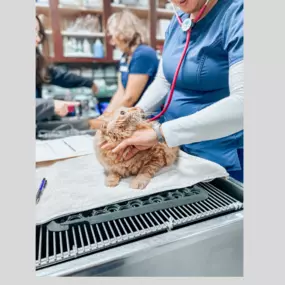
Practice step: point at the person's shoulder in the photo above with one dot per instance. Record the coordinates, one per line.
(233, 14)
(234, 9)
(173, 21)
(173, 25)
(237, 3)
(145, 51)
(232, 30)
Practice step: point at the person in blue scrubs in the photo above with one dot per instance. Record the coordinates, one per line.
(205, 117)
(139, 62)
(138, 65)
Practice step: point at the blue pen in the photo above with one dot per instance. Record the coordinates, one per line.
(40, 191)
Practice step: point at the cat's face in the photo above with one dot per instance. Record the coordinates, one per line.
(128, 116)
(122, 122)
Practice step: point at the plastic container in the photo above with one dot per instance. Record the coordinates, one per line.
(86, 47)
(98, 49)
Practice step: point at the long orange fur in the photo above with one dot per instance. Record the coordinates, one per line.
(116, 127)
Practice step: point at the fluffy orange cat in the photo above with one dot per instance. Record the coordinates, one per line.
(118, 126)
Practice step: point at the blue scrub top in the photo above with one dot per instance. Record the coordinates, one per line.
(216, 44)
(144, 61)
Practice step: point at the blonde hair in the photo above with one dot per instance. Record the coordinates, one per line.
(127, 27)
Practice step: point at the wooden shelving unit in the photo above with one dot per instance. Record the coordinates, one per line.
(73, 10)
(55, 13)
(164, 13)
(72, 59)
(139, 11)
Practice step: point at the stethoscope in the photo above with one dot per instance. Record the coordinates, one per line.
(186, 26)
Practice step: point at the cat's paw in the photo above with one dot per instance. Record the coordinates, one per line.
(140, 182)
(112, 180)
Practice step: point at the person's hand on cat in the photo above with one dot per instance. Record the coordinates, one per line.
(127, 145)
(140, 140)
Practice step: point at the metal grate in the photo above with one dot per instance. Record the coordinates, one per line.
(146, 204)
(80, 239)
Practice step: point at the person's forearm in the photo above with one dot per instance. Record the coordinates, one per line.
(115, 102)
(219, 120)
(44, 109)
(95, 124)
(155, 94)
(67, 79)
(126, 101)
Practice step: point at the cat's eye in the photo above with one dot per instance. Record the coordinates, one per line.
(122, 112)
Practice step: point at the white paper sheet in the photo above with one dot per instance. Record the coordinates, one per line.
(77, 184)
(63, 148)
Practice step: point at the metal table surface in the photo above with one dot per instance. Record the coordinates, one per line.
(210, 248)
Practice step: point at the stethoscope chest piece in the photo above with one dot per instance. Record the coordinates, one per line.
(186, 24)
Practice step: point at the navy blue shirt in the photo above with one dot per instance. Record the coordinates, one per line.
(216, 44)
(65, 79)
(144, 61)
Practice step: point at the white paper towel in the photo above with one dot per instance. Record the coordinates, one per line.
(77, 184)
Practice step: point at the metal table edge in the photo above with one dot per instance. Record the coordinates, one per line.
(137, 247)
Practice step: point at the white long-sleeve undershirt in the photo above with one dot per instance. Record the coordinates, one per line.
(218, 120)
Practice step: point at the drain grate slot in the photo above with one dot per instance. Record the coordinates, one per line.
(85, 237)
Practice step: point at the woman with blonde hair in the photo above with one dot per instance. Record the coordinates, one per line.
(139, 62)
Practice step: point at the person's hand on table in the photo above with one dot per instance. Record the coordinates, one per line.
(140, 140)
(95, 124)
(61, 107)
